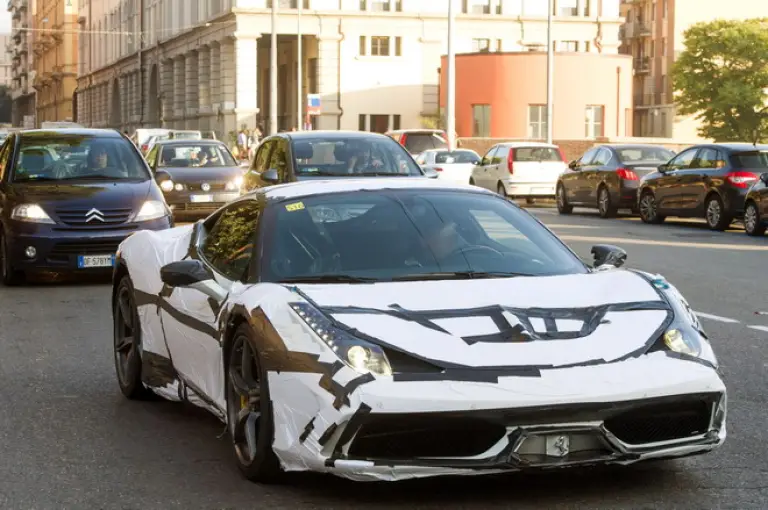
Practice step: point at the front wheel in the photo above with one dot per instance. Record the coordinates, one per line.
(604, 205)
(717, 218)
(648, 209)
(127, 342)
(10, 276)
(753, 224)
(249, 410)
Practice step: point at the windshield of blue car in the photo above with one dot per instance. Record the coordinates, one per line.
(194, 155)
(409, 234)
(632, 155)
(448, 157)
(352, 156)
(44, 157)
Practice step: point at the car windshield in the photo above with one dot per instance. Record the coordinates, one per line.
(631, 155)
(536, 154)
(751, 159)
(409, 234)
(64, 157)
(195, 155)
(352, 156)
(448, 157)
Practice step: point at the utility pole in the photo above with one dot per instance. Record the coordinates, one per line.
(550, 70)
(299, 88)
(450, 105)
(273, 73)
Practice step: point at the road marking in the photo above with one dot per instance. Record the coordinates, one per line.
(625, 240)
(760, 328)
(716, 318)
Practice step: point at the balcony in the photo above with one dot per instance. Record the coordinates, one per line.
(635, 29)
(642, 65)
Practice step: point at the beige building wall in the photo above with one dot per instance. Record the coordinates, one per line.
(22, 60)
(6, 58)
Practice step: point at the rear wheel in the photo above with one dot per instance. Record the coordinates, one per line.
(753, 224)
(604, 205)
(10, 276)
(127, 342)
(648, 209)
(716, 216)
(562, 202)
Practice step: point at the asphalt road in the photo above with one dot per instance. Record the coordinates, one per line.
(69, 440)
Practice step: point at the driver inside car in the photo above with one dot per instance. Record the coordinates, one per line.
(98, 158)
(357, 157)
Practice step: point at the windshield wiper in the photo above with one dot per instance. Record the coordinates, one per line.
(456, 275)
(320, 173)
(94, 177)
(328, 278)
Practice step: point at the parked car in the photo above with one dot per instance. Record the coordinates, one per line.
(607, 177)
(707, 181)
(455, 166)
(303, 155)
(417, 141)
(520, 170)
(369, 326)
(756, 205)
(68, 215)
(196, 176)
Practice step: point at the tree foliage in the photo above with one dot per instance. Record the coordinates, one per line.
(722, 78)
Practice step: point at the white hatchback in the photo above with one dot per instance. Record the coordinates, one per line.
(520, 169)
(455, 166)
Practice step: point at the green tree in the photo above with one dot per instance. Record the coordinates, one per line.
(722, 77)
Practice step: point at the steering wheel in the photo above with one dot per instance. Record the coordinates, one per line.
(475, 247)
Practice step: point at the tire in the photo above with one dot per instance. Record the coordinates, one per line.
(246, 410)
(714, 213)
(501, 190)
(562, 201)
(648, 209)
(753, 225)
(471, 181)
(604, 205)
(127, 351)
(10, 276)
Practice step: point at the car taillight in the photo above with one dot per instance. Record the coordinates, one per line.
(626, 174)
(403, 139)
(741, 179)
(144, 147)
(510, 161)
(438, 169)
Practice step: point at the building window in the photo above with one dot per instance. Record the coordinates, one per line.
(395, 122)
(398, 46)
(537, 121)
(381, 46)
(653, 11)
(481, 45)
(289, 4)
(361, 126)
(663, 124)
(653, 49)
(377, 123)
(481, 120)
(477, 7)
(381, 5)
(593, 122)
(363, 46)
(568, 46)
(567, 8)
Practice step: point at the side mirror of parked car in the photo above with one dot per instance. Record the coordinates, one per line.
(663, 168)
(573, 165)
(606, 254)
(192, 274)
(271, 176)
(764, 178)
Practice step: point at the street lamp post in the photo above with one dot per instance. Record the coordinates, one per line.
(299, 109)
(550, 70)
(273, 73)
(450, 103)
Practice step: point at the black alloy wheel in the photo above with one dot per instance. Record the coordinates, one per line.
(648, 209)
(562, 202)
(717, 218)
(604, 205)
(753, 224)
(249, 411)
(127, 342)
(10, 276)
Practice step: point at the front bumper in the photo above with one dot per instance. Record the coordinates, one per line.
(185, 202)
(397, 430)
(59, 249)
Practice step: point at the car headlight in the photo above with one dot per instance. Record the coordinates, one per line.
(32, 213)
(689, 343)
(360, 355)
(151, 210)
(234, 184)
(166, 185)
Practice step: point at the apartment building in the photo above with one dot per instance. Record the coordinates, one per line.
(374, 63)
(6, 60)
(23, 93)
(653, 35)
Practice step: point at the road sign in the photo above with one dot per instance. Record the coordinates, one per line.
(313, 104)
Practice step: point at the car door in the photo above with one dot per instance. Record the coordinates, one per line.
(695, 182)
(480, 174)
(278, 160)
(593, 175)
(668, 193)
(191, 330)
(260, 164)
(574, 179)
(499, 173)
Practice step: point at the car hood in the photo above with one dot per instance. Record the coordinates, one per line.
(543, 322)
(87, 195)
(354, 176)
(203, 174)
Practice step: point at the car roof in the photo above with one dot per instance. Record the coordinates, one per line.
(516, 145)
(415, 131)
(185, 141)
(323, 187)
(337, 135)
(732, 146)
(623, 146)
(107, 133)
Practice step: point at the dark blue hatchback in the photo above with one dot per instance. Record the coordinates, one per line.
(69, 197)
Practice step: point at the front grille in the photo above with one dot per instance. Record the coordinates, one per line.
(79, 216)
(214, 187)
(68, 248)
(662, 422)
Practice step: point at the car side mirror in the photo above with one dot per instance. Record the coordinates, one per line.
(573, 165)
(764, 178)
(431, 173)
(663, 168)
(608, 255)
(161, 175)
(192, 274)
(271, 176)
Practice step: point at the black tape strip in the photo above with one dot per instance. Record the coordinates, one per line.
(157, 370)
(353, 426)
(342, 398)
(551, 325)
(144, 298)
(508, 334)
(327, 434)
(687, 357)
(307, 430)
(468, 375)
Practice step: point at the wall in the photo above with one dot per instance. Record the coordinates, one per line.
(512, 81)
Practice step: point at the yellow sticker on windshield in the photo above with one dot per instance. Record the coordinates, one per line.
(296, 206)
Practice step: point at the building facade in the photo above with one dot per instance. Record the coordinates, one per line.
(654, 36)
(6, 59)
(23, 93)
(206, 65)
(55, 48)
(502, 105)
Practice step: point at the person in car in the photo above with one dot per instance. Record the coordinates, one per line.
(98, 158)
(358, 158)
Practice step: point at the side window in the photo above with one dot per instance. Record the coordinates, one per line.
(501, 155)
(683, 160)
(152, 157)
(5, 156)
(279, 159)
(588, 157)
(489, 156)
(709, 159)
(261, 161)
(602, 158)
(229, 245)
